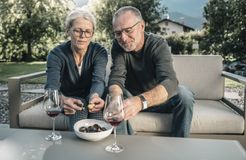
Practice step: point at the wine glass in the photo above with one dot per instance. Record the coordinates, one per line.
(114, 114)
(52, 105)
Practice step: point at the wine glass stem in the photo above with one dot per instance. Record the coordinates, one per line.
(53, 126)
(115, 140)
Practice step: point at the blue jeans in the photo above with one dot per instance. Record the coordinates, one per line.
(180, 105)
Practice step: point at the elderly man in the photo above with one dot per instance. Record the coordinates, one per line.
(142, 70)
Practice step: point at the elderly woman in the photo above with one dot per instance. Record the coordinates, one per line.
(77, 68)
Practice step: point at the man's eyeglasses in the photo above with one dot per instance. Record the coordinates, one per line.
(128, 31)
(78, 32)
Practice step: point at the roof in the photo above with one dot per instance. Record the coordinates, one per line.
(178, 23)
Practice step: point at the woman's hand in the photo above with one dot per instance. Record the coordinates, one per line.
(70, 105)
(95, 103)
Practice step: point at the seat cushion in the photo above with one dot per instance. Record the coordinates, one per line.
(214, 117)
(208, 117)
(35, 117)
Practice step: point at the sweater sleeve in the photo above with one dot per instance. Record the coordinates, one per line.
(99, 71)
(53, 70)
(165, 73)
(118, 69)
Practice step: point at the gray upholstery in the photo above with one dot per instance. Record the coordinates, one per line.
(209, 117)
(213, 117)
(202, 74)
(35, 117)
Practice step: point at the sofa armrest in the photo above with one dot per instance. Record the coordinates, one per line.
(239, 79)
(14, 94)
(234, 77)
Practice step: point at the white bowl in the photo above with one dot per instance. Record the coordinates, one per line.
(95, 136)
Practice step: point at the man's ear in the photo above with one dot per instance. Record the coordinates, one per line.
(142, 23)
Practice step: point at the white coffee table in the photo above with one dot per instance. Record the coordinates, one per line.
(26, 144)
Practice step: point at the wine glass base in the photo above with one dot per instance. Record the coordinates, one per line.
(114, 148)
(53, 137)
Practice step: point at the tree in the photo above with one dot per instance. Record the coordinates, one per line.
(238, 28)
(226, 28)
(151, 10)
(176, 43)
(30, 27)
(216, 14)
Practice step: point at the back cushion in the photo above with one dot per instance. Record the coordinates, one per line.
(201, 73)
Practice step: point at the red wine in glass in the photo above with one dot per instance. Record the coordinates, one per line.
(52, 105)
(114, 113)
(53, 113)
(115, 122)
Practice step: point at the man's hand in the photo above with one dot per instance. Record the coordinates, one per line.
(95, 103)
(70, 105)
(132, 106)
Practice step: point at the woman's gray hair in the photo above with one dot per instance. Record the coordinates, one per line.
(131, 9)
(79, 13)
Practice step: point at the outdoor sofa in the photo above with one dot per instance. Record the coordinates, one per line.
(214, 116)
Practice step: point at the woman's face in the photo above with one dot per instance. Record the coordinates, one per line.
(81, 34)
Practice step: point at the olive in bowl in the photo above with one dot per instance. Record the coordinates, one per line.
(92, 129)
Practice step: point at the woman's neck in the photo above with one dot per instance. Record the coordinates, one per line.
(78, 55)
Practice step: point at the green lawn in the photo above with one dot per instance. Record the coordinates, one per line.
(233, 84)
(10, 69)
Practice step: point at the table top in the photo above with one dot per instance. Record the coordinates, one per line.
(27, 144)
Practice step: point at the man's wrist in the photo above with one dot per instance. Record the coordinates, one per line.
(144, 102)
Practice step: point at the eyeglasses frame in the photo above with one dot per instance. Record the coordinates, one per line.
(124, 30)
(82, 32)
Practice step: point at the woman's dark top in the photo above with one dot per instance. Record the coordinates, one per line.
(62, 72)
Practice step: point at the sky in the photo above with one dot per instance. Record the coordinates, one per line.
(193, 8)
(81, 2)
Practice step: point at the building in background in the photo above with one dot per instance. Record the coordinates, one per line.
(169, 27)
